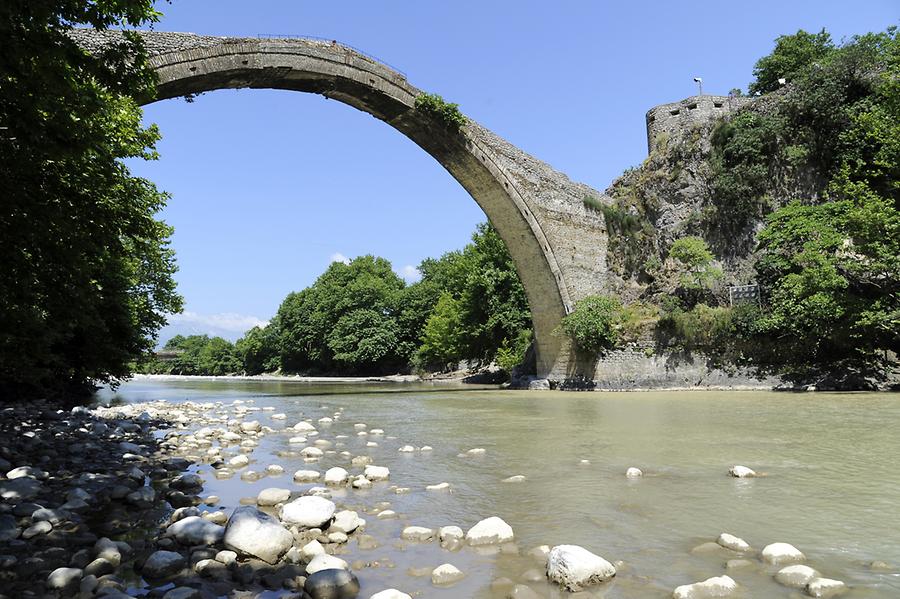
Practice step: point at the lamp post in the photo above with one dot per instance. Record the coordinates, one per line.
(699, 82)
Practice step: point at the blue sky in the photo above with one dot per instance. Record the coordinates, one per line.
(269, 186)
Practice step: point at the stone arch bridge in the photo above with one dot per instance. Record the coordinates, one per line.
(557, 244)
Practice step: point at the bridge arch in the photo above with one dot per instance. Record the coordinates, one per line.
(557, 245)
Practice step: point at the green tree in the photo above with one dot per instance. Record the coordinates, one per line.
(258, 350)
(203, 355)
(697, 273)
(833, 277)
(490, 306)
(316, 326)
(442, 336)
(792, 57)
(87, 271)
(594, 324)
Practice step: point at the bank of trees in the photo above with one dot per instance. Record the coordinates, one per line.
(86, 272)
(362, 318)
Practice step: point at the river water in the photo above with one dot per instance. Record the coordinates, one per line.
(831, 486)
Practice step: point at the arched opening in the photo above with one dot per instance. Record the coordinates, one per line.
(557, 245)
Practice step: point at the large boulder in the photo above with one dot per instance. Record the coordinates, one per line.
(308, 512)
(574, 568)
(252, 532)
(195, 530)
(490, 531)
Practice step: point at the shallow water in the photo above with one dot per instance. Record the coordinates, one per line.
(832, 484)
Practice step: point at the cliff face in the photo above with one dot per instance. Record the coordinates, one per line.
(674, 194)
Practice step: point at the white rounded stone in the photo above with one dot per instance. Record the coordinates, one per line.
(417, 533)
(325, 562)
(718, 586)
(336, 476)
(446, 574)
(490, 531)
(796, 576)
(305, 476)
(732, 542)
(825, 587)
(311, 452)
(741, 472)
(574, 568)
(634, 472)
(377, 473)
(450, 533)
(390, 594)
(308, 511)
(272, 496)
(781, 553)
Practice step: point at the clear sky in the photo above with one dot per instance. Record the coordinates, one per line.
(269, 186)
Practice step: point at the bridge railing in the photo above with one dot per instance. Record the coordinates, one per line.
(280, 36)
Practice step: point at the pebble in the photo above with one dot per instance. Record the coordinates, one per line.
(634, 473)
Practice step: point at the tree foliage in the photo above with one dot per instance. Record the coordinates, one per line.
(362, 318)
(196, 355)
(594, 323)
(793, 56)
(87, 271)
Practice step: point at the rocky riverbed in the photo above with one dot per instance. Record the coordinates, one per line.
(110, 502)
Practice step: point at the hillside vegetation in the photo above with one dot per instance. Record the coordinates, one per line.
(796, 192)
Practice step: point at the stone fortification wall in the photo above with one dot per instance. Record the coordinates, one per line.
(637, 368)
(678, 116)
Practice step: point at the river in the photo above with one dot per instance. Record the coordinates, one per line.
(831, 486)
